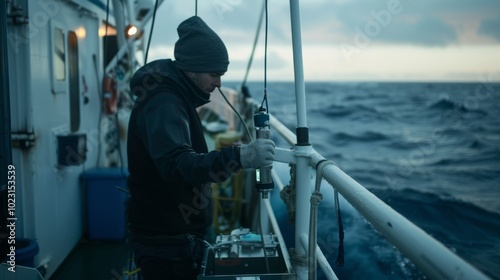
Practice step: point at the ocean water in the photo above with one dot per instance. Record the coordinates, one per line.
(431, 151)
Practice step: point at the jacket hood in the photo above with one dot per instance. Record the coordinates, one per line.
(163, 76)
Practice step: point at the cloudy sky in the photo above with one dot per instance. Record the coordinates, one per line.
(351, 40)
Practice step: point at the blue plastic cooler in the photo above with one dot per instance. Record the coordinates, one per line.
(105, 202)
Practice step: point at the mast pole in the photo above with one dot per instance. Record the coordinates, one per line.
(305, 174)
(300, 94)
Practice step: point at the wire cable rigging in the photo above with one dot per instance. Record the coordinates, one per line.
(238, 114)
(261, 109)
(265, 60)
(256, 39)
(151, 32)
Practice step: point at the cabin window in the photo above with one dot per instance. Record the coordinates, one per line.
(57, 52)
(74, 82)
(59, 55)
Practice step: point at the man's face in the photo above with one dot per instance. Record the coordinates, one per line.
(207, 82)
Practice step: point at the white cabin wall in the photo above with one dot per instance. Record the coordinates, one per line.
(50, 111)
(21, 118)
(53, 197)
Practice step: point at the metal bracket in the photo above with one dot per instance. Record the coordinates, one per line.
(23, 140)
(284, 155)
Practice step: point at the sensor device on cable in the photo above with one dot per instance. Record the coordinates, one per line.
(264, 181)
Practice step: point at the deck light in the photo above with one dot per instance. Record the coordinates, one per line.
(130, 30)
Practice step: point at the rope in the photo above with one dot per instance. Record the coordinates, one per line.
(316, 198)
(299, 260)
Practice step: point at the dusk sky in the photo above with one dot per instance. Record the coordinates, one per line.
(348, 40)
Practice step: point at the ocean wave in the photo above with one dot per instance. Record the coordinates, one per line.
(477, 144)
(439, 137)
(464, 158)
(367, 136)
(474, 229)
(403, 145)
(333, 111)
(446, 105)
(355, 112)
(369, 178)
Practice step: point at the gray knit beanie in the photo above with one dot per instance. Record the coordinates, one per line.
(199, 49)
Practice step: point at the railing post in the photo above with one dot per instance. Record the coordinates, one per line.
(304, 176)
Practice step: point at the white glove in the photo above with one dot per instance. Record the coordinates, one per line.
(257, 153)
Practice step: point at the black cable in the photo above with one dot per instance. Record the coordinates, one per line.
(265, 61)
(256, 39)
(340, 257)
(265, 99)
(105, 44)
(130, 261)
(237, 114)
(150, 32)
(263, 244)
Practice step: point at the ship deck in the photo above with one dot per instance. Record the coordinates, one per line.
(94, 260)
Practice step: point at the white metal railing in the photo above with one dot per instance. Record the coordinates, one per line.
(429, 255)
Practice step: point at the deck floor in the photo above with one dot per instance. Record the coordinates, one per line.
(94, 260)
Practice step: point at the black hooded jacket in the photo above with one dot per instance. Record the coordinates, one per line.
(169, 163)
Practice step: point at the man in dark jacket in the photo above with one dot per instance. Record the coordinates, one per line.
(171, 169)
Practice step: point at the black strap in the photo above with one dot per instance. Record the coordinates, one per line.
(340, 257)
